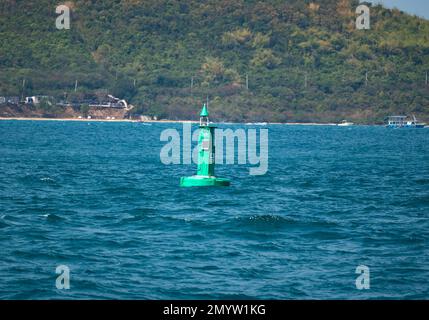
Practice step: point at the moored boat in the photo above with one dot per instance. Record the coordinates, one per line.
(345, 123)
(402, 122)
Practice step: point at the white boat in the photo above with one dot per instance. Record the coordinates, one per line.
(402, 122)
(415, 123)
(345, 123)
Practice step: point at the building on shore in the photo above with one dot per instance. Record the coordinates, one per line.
(37, 99)
(9, 100)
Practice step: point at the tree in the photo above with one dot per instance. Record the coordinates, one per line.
(265, 58)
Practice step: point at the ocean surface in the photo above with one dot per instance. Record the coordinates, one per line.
(95, 197)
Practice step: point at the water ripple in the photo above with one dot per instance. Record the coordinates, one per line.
(97, 199)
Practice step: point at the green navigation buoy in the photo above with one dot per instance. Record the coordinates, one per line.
(206, 157)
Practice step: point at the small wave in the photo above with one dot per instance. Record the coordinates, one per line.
(35, 179)
(10, 220)
(136, 215)
(134, 218)
(52, 217)
(185, 219)
(266, 220)
(269, 218)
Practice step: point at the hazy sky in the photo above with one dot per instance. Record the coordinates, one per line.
(418, 7)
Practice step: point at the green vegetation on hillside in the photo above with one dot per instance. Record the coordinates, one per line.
(305, 60)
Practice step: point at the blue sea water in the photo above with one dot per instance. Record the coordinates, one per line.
(96, 198)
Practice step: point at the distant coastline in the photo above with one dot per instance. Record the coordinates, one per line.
(90, 120)
(156, 121)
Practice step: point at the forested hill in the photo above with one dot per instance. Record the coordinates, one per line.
(305, 60)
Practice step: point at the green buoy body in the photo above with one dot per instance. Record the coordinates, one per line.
(198, 181)
(205, 176)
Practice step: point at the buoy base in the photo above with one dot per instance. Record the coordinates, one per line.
(200, 181)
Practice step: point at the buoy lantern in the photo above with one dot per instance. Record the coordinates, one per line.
(206, 157)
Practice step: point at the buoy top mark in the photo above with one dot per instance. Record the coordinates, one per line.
(204, 111)
(204, 117)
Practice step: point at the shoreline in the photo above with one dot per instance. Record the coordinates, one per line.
(93, 120)
(163, 121)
